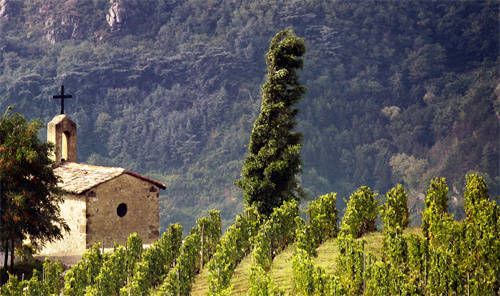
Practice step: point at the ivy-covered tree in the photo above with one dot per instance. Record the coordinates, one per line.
(29, 196)
(269, 174)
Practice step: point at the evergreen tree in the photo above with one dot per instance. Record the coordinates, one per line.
(29, 196)
(269, 174)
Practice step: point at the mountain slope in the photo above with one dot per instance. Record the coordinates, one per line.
(397, 91)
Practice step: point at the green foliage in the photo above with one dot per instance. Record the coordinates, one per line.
(305, 239)
(322, 223)
(192, 252)
(481, 244)
(50, 283)
(180, 278)
(113, 273)
(232, 247)
(351, 264)
(261, 283)
(191, 80)
(84, 272)
(409, 169)
(275, 234)
(361, 213)
(269, 173)
(156, 262)
(453, 258)
(394, 213)
(307, 278)
(133, 251)
(13, 287)
(378, 280)
(436, 205)
(29, 197)
(25, 252)
(53, 280)
(35, 287)
(443, 238)
(210, 232)
(417, 263)
(124, 271)
(391, 276)
(323, 215)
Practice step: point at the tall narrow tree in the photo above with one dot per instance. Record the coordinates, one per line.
(269, 174)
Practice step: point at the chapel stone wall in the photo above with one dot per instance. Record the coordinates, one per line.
(105, 205)
(73, 210)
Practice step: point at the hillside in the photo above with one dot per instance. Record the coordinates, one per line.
(398, 91)
(281, 269)
(298, 251)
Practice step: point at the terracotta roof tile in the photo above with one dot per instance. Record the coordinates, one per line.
(78, 177)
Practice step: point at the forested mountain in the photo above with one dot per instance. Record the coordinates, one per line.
(398, 91)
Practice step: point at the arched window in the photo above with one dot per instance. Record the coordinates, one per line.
(65, 145)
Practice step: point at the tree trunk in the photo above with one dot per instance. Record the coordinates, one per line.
(6, 254)
(12, 254)
(5, 241)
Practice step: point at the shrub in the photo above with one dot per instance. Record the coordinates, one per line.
(323, 216)
(394, 212)
(361, 213)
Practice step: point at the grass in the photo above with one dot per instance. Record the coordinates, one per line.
(281, 269)
(200, 285)
(241, 276)
(327, 256)
(240, 279)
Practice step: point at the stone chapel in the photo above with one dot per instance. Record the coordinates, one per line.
(101, 204)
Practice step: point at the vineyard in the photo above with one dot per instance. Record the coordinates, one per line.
(302, 252)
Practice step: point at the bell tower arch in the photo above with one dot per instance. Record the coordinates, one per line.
(61, 132)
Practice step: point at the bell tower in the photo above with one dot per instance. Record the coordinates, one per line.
(61, 132)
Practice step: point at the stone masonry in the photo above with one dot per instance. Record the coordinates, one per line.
(101, 204)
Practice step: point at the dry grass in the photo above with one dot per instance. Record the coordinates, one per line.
(200, 285)
(241, 276)
(239, 281)
(327, 256)
(281, 269)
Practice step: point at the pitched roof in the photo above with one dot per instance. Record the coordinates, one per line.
(78, 177)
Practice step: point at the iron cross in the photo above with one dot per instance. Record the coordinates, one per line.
(62, 96)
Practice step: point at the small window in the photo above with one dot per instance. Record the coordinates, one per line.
(121, 210)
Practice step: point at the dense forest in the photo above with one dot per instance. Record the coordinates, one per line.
(397, 91)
